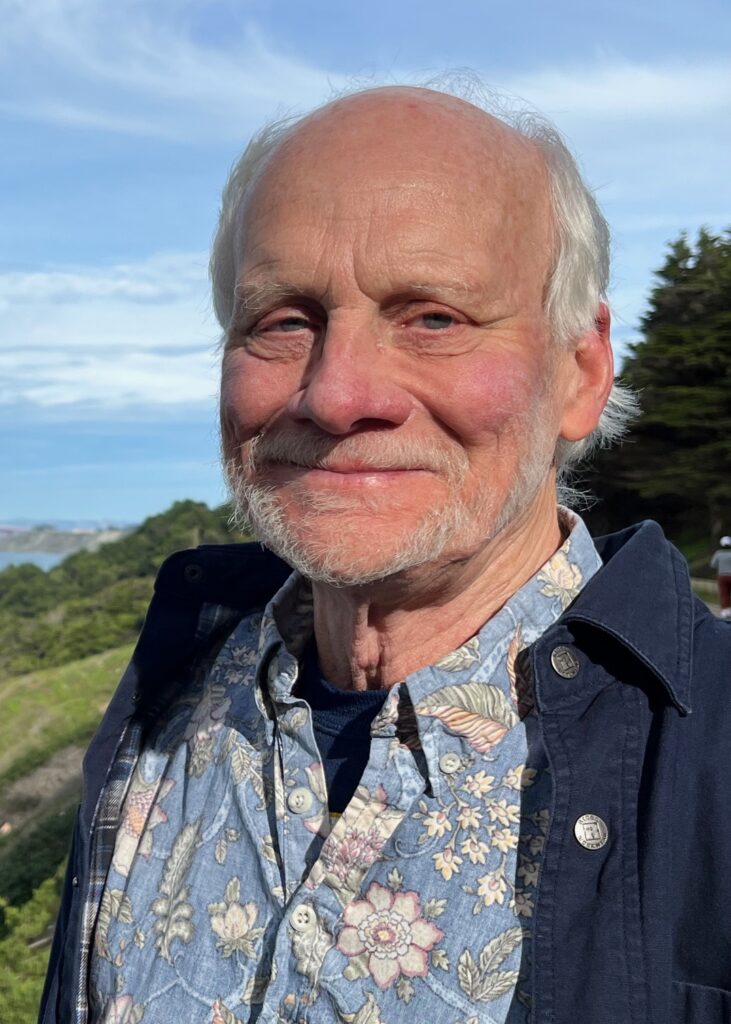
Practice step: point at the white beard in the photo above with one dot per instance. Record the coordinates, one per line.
(260, 508)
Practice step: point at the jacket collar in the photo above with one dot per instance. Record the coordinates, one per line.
(642, 597)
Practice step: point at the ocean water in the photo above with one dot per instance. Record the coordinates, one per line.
(43, 559)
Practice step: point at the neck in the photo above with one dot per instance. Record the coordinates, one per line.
(372, 637)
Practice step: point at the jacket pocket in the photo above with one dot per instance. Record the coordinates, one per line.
(699, 1004)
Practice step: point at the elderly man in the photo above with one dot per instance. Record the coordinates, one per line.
(445, 769)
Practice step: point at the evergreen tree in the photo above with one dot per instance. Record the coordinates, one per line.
(675, 466)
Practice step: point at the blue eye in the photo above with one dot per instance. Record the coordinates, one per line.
(291, 323)
(437, 321)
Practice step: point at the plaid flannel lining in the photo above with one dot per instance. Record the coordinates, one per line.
(104, 832)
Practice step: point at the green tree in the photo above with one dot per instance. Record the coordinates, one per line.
(24, 952)
(675, 466)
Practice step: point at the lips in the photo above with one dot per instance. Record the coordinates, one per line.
(347, 467)
(360, 469)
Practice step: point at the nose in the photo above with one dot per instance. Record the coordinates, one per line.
(348, 387)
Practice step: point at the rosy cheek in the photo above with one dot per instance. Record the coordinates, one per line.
(486, 394)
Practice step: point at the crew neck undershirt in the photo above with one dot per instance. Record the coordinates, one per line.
(341, 721)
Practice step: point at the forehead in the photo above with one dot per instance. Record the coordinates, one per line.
(406, 165)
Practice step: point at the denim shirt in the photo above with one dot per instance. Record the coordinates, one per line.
(631, 931)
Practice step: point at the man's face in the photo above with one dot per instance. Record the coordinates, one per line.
(387, 391)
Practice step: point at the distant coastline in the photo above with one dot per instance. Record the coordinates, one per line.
(42, 559)
(47, 540)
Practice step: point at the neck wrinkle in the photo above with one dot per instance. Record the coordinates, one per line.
(375, 636)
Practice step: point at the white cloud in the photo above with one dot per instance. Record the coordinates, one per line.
(133, 334)
(137, 69)
(610, 90)
(142, 69)
(161, 278)
(110, 381)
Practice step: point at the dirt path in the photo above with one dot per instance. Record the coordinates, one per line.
(52, 784)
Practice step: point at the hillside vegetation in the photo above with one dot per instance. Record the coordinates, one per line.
(94, 600)
(65, 638)
(44, 712)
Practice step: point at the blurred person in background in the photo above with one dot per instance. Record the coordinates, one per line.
(721, 562)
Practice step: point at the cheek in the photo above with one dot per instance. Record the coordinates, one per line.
(253, 393)
(489, 397)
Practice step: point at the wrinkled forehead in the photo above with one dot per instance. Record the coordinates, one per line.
(411, 145)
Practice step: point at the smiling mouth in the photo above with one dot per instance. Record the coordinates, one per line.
(343, 474)
(347, 468)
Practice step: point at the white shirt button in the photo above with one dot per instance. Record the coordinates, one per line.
(299, 800)
(450, 762)
(591, 831)
(303, 918)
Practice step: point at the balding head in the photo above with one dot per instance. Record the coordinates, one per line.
(389, 135)
(579, 272)
(399, 118)
(410, 154)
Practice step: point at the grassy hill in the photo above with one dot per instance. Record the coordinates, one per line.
(45, 712)
(65, 638)
(47, 720)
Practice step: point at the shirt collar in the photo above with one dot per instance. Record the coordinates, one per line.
(287, 622)
(641, 597)
(535, 606)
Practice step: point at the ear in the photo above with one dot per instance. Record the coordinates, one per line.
(588, 379)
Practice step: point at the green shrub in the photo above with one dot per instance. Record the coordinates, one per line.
(24, 951)
(26, 861)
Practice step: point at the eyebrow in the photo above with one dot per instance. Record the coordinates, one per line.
(447, 287)
(254, 298)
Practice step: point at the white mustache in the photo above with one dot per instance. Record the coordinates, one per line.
(382, 451)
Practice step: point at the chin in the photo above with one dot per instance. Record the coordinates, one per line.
(344, 546)
(345, 542)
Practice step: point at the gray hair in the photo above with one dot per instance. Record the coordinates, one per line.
(578, 279)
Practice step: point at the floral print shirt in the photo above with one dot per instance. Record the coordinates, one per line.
(233, 898)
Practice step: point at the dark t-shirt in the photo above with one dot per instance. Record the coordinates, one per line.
(342, 723)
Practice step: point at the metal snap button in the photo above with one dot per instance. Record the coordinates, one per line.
(303, 918)
(75, 881)
(591, 831)
(193, 573)
(450, 762)
(299, 800)
(564, 661)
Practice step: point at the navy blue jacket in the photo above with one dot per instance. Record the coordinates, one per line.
(637, 932)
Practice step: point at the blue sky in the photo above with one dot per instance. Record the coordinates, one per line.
(119, 122)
